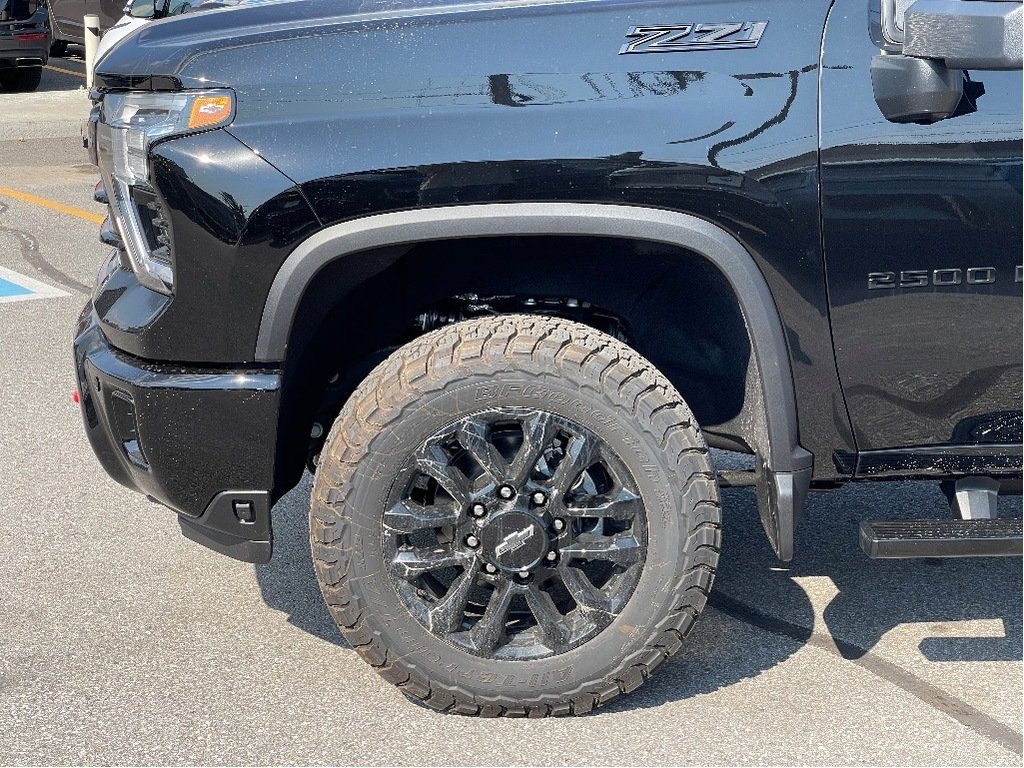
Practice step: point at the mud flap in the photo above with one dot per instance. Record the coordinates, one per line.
(780, 500)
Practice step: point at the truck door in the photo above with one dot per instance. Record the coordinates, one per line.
(921, 226)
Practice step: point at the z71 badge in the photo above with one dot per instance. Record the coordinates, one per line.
(670, 38)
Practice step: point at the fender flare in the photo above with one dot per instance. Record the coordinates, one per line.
(784, 469)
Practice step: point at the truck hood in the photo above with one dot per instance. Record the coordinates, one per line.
(169, 54)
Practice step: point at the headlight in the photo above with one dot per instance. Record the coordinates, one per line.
(136, 121)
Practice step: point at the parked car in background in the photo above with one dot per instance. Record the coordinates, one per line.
(24, 43)
(139, 12)
(67, 19)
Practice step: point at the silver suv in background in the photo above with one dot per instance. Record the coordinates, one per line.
(24, 44)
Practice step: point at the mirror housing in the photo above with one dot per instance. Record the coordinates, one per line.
(922, 90)
(926, 48)
(965, 34)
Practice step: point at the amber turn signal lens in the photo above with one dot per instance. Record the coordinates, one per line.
(209, 111)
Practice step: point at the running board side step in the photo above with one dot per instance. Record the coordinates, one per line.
(942, 538)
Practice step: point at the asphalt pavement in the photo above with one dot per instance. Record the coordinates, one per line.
(121, 642)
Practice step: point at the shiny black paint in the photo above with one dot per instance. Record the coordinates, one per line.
(195, 432)
(941, 461)
(346, 109)
(395, 121)
(921, 365)
(233, 218)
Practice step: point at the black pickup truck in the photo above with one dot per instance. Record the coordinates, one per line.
(500, 273)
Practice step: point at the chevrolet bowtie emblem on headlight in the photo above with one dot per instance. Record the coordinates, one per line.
(670, 38)
(513, 541)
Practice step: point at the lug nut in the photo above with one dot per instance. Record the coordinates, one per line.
(506, 492)
(551, 556)
(478, 510)
(524, 574)
(472, 541)
(558, 525)
(539, 498)
(491, 568)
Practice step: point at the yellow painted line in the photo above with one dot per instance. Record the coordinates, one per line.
(53, 205)
(65, 71)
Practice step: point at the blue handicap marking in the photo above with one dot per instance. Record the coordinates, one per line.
(15, 286)
(7, 288)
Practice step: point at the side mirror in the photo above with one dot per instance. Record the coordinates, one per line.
(965, 34)
(926, 46)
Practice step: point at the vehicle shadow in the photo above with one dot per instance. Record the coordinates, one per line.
(288, 582)
(754, 592)
(59, 74)
(59, 82)
(760, 615)
(877, 595)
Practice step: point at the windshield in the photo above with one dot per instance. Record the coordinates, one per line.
(148, 9)
(18, 10)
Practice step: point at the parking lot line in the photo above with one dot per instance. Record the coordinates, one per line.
(15, 286)
(53, 205)
(65, 71)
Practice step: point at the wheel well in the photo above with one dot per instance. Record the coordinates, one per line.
(670, 304)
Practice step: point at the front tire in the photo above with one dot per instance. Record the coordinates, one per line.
(515, 516)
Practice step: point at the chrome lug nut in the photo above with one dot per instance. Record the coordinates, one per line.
(551, 556)
(558, 525)
(539, 498)
(524, 574)
(491, 568)
(506, 492)
(478, 510)
(472, 541)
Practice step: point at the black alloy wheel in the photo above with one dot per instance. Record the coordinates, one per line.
(516, 534)
(515, 516)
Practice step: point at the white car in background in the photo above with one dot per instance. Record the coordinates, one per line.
(139, 12)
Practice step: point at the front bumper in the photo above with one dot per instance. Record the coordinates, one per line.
(200, 441)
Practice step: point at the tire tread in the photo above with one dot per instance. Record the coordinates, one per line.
(572, 348)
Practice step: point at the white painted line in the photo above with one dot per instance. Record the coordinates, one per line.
(37, 289)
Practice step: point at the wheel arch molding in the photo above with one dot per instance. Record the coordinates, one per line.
(783, 467)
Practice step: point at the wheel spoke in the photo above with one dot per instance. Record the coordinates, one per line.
(591, 602)
(433, 462)
(408, 516)
(580, 454)
(474, 436)
(618, 505)
(447, 614)
(489, 631)
(412, 563)
(473, 495)
(622, 549)
(539, 429)
(553, 625)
